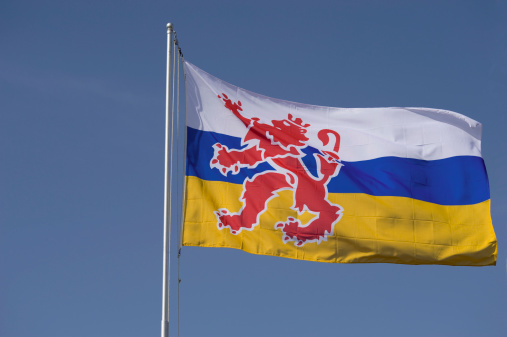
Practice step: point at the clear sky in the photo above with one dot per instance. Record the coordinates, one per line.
(82, 96)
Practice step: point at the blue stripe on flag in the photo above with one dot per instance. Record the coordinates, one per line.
(458, 180)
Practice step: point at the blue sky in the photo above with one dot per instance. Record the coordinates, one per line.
(82, 87)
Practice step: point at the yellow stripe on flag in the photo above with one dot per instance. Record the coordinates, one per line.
(372, 229)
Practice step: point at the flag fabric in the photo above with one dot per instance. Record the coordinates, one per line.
(272, 177)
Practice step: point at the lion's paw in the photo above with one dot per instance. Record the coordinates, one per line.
(222, 160)
(226, 219)
(293, 231)
(290, 231)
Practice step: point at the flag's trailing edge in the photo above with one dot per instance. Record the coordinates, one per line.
(271, 177)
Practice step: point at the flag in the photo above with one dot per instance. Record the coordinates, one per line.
(393, 185)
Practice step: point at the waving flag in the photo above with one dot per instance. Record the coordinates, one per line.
(271, 177)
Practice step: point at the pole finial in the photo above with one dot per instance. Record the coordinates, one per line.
(169, 27)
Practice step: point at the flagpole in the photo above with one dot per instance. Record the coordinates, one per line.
(167, 189)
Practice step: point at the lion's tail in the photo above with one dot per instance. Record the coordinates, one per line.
(324, 138)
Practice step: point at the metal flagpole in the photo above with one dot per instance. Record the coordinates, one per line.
(167, 189)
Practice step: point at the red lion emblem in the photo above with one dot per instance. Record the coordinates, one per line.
(280, 144)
